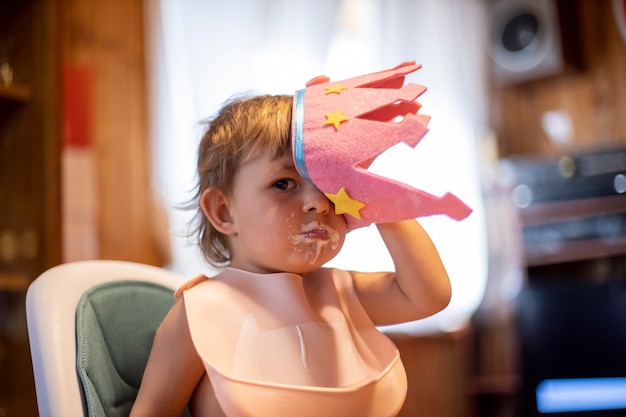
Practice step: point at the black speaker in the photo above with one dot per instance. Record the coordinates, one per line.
(572, 340)
(532, 39)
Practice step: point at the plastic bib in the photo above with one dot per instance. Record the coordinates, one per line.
(279, 345)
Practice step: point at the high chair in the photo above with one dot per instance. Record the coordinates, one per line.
(91, 326)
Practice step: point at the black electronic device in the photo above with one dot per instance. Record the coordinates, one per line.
(571, 208)
(572, 349)
(532, 39)
(568, 177)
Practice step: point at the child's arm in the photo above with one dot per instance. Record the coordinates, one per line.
(173, 371)
(420, 286)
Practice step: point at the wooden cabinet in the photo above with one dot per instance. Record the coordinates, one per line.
(29, 183)
(15, 93)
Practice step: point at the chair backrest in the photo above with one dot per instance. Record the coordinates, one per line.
(90, 326)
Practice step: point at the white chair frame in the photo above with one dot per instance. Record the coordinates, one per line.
(51, 302)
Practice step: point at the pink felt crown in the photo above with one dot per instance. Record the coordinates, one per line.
(339, 128)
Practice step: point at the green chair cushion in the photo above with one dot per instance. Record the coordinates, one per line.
(115, 325)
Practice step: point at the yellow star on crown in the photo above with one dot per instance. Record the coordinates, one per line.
(335, 119)
(345, 204)
(336, 89)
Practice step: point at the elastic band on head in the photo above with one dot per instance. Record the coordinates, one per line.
(298, 126)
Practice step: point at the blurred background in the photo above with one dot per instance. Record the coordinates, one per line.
(101, 104)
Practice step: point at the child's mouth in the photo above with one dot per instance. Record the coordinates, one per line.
(316, 234)
(313, 238)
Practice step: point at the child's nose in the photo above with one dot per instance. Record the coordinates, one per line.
(315, 200)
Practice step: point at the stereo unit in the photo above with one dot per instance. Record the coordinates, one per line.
(532, 39)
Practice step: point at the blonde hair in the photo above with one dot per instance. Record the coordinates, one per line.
(243, 129)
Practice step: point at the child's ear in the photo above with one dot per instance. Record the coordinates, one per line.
(214, 204)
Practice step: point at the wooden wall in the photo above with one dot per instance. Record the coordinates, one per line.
(594, 97)
(438, 374)
(103, 43)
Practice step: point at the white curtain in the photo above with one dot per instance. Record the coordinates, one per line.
(203, 51)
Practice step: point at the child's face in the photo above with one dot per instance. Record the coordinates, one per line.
(281, 221)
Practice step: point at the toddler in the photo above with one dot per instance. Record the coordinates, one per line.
(276, 334)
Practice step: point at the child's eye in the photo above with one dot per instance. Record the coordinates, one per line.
(284, 184)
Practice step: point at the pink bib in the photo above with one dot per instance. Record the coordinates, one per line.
(279, 345)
